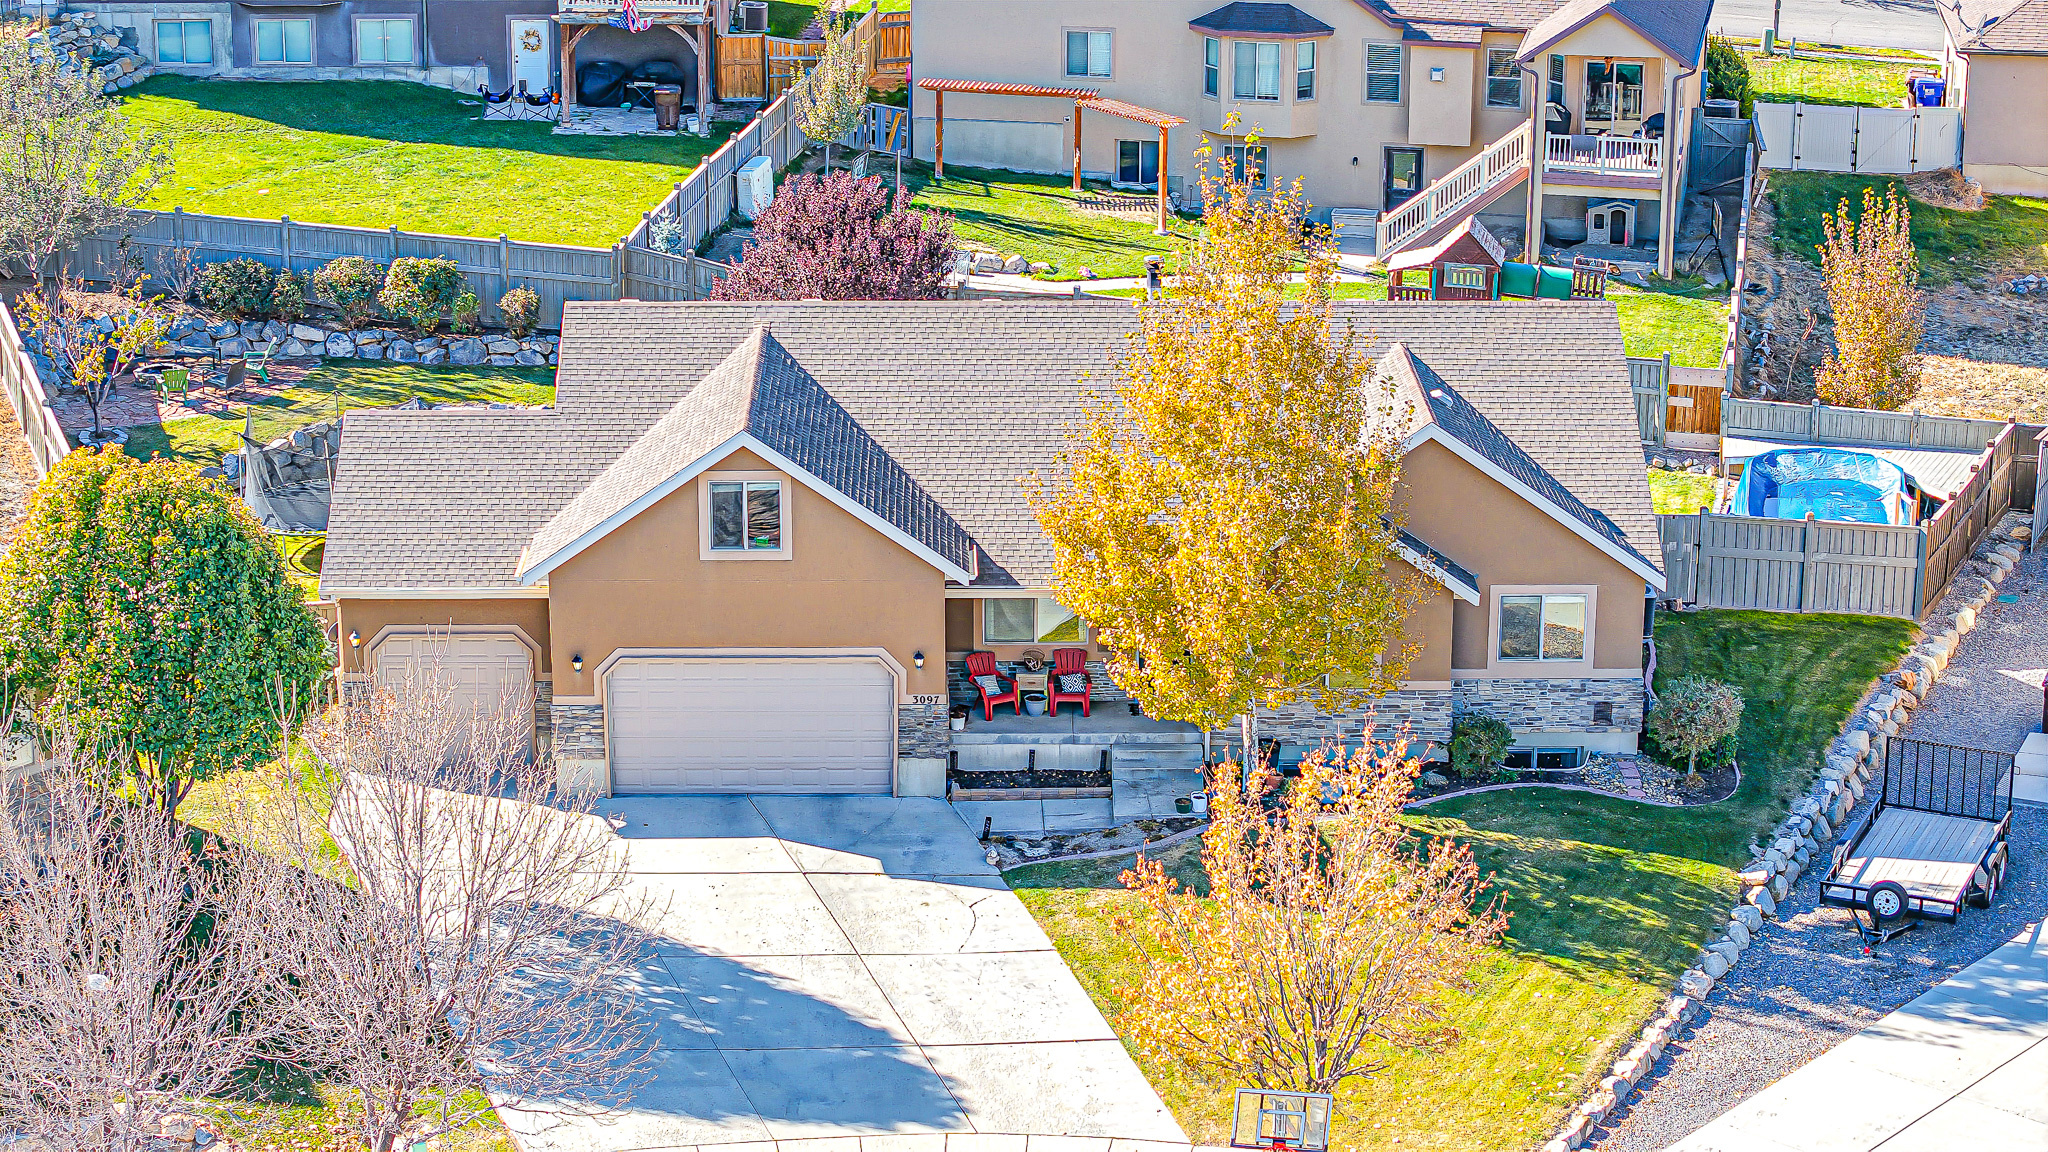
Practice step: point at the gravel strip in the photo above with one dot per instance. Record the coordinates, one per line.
(1806, 985)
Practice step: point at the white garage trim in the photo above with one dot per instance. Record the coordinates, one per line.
(694, 730)
(896, 672)
(390, 630)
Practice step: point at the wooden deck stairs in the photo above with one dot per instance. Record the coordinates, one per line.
(1429, 215)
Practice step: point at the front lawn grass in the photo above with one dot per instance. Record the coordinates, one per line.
(1033, 217)
(384, 153)
(2010, 233)
(336, 386)
(1827, 80)
(1680, 493)
(1610, 900)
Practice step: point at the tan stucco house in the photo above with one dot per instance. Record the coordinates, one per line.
(1995, 58)
(1371, 104)
(751, 545)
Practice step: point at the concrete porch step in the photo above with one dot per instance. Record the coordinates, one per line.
(1181, 756)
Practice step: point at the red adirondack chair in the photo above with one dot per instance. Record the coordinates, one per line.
(984, 664)
(1066, 662)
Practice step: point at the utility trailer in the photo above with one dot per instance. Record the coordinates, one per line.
(1934, 841)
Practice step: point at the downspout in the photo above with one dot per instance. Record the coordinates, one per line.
(1539, 149)
(1667, 211)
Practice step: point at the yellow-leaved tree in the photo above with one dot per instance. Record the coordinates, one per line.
(1227, 523)
(1329, 938)
(1873, 279)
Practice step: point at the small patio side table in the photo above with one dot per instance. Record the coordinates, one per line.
(1031, 681)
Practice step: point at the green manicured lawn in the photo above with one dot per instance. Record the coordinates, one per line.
(1680, 493)
(379, 153)
(2009, 233)
(1837, 80)
(1610, 900)
(788, 18)
(1032, 216)
(336, 386)
(1691, 323)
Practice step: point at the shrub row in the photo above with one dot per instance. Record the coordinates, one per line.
(417, 290)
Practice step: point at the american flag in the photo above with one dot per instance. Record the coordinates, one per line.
(632, 21)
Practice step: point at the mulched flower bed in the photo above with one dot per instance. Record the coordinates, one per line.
(1028, 779)
(1632, 777)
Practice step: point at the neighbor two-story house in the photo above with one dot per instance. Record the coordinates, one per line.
(1995, 59)
(1425, 111)
(752, 545)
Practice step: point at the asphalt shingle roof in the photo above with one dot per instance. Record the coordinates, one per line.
(1245, 19)
(970, 399)
(1679, 27)
(2001, 26)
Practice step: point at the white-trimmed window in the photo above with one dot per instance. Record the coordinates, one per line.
(1212, 66)
(1137, 162)
(384, 40)
(284, 41)
(1383, 64)
(1030, 620)
(1088, 53)
(1247, 163)
(1543, 626)
(1503, 79)
(1305, 70)
(184, 41)
(1471, 276)
(745, 516)
(1255, 70)
(1556, 85)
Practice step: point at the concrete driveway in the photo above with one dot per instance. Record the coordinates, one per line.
(834, 967)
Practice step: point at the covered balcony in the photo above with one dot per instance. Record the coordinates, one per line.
(1605, 161)
(1604, 121)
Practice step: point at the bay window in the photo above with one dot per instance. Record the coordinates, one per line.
(1212, 65)
(1305, 70)
(1255, 73)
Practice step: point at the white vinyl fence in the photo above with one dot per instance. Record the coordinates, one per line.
(1832, 138)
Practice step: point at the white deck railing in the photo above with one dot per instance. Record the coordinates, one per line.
(650, 8)
(1603, 155)
(1502, 162)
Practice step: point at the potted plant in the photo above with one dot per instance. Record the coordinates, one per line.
(956, 718)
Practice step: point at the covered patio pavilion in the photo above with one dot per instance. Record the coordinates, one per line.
(580, 18)
(1085, 99)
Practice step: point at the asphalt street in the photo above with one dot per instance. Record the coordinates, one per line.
(1864, 23)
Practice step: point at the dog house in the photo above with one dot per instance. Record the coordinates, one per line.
(1612, 222)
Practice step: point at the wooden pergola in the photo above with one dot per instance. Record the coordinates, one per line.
(695, 31)
(1085, 99)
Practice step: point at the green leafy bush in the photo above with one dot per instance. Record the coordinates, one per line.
(468, 313)
(1694, 716)
(351, 285)
(238, 288)
(1477, 743)
(420, 290)
(1728, 75)
(520, 309)
(289, 295)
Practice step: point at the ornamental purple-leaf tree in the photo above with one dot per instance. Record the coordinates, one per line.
(838, 238)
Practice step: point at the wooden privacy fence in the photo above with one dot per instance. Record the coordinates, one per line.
(758, 67)
(1717, 561)
(1674, 400)
(47, 442)
(1647, 379)
(1818, 423)
(704, 200)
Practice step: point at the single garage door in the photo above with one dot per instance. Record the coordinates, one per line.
(750, 725)
(483, 671)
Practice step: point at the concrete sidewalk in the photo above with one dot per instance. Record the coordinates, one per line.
(1963, 1067)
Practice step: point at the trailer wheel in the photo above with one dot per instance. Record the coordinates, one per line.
(1989, 892)
(1887, 900)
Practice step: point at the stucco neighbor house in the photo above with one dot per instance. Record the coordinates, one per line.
(751, 545)
(1995, 58)
(1435, 105)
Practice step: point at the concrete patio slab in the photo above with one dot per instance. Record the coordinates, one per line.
(894, 915)
(1077, 815)
(1149, 793)
(1009, 815)
(995, 998)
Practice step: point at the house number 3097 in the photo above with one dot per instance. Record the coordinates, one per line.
(928, 701)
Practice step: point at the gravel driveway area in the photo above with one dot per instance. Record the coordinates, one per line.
(1806, 985)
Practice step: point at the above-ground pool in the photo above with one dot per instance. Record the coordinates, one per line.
(1830, 483)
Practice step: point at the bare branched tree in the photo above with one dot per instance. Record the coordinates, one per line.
(132, 948)
(488, 943)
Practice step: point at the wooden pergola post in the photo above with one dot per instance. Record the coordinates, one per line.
(702, 43)
(569, 39)
(1160, 175)
(1077, 145)
(939, 137)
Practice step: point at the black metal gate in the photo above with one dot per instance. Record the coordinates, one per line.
(1947, 779)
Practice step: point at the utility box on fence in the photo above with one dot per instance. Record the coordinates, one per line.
(756, 186)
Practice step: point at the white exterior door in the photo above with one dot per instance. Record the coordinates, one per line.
(741, 725)
(532, 59)
(484, 671)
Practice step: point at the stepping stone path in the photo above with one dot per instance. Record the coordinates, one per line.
(1631, 780)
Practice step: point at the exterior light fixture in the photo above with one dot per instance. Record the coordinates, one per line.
(1436, 75)
(355, 638)
(917, 658)
(576, 662)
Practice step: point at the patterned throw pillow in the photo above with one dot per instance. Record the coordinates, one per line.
(1073, 683)
(993, 685)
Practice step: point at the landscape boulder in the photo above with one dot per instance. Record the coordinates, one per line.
(467, 351)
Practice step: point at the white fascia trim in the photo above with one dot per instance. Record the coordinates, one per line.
(535, 572)
(1431, 568)
(516, 592)
(1626, 559)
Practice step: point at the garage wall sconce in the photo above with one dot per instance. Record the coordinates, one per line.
(576, 662)
(917, 658)
(355, 639)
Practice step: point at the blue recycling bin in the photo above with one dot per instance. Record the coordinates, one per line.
(1927, 91)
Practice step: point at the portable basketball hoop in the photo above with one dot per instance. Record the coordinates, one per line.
(1282, 1120)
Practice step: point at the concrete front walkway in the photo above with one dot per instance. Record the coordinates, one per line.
(845, 967)
(1964, 1066)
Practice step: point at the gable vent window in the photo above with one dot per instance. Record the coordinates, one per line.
(746, 516)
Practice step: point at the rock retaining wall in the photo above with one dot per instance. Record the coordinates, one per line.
(80, 46)
(299, 339)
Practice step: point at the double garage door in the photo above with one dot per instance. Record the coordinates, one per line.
(734, 725)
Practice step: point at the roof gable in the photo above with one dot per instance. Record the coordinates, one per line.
(1678, 28)
(2021, 29)
(760, 398)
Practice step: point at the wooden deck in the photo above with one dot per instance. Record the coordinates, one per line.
(1929, 854)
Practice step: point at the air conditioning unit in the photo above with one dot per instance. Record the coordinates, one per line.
(753, 15)
(756, 186)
